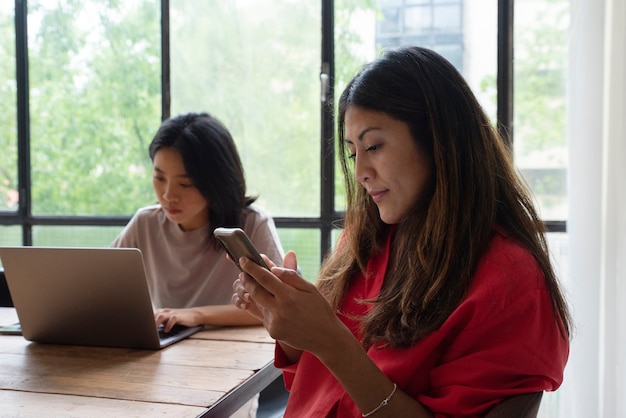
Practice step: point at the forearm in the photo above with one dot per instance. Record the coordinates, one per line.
(366, 384)
(224, 315)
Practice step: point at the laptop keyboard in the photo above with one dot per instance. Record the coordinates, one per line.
(176, 329)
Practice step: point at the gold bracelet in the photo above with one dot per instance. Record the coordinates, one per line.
(383, 403)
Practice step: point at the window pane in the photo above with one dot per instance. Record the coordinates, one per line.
(463, 32)
(75, 236)
(417, 19)
(8, 110)
(305, 243)
(260, 75)
(95, 95)
(541, 28)
(10, 236)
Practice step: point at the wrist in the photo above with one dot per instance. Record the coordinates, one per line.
(340, 348)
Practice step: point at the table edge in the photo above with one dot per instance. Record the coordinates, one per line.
(234, 400)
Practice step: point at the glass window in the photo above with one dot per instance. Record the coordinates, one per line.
(260, 75)
(392, 21)
(10, 235)
(75, 236)
(360, 32)
(418, 19)
(541, 28)
(95, 101)
(8, 111)
(305, 243)
(447, 18)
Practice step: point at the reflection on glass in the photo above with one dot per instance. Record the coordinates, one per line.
(8, 112)
(95, 102)
(260, 75)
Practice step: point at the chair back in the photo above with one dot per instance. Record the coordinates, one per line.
(521, 406)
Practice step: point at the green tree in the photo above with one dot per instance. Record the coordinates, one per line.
(8, 120)
(95, 100)
(540, 75)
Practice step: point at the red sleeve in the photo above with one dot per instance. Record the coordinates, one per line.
(503, 340)
(282, 362)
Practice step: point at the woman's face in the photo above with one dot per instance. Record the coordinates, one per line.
(181, 200)
(388, 162)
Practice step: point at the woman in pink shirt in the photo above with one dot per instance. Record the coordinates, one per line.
(440, 299)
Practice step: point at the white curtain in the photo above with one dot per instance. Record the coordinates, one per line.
(595, 378)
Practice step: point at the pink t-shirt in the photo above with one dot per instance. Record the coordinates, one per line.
(502, 340)
(182, 272)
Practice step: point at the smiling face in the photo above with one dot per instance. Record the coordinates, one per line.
(388, 162)
(181, 200)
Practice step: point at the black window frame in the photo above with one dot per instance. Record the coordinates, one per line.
(329, 216)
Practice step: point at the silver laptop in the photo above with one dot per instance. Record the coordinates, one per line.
(84, 296)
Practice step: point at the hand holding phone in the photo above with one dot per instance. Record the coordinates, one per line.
(237, 245)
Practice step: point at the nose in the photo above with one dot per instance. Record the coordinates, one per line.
(169, 194)
(362, 168)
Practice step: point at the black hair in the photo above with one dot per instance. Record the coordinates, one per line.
(212, 162)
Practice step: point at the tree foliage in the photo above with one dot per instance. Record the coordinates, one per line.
(8, 112)
(95, 101)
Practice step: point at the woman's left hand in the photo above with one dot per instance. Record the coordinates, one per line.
(291, 308)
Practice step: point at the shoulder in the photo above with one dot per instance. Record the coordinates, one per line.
(256, 213)
(255, 218)
(142, 222)
(147, 217)
(508, 273)
(148, 213)
(507, 258)
(260, 227)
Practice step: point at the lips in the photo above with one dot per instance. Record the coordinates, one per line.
(377, 196)
(174, 211)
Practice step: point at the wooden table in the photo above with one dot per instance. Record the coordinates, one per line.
(210, 374)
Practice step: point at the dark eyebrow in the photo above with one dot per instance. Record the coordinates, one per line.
(366, 130)
(362, 134)
(187, 176)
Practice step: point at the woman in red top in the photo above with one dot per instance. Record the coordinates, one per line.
(440, 299)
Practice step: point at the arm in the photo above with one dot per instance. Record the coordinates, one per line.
(298, 316)
(218, 315)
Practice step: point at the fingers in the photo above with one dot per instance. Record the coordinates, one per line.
(269, 262)
(239, 302)
(165, 317)
(272, 282)
(241, 297)
(290, 261)
(256, 280)
(160, 316)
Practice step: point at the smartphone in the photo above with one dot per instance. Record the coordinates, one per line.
(237, 245)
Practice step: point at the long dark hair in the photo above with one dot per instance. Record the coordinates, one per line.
(475, 190)
(211, 160)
